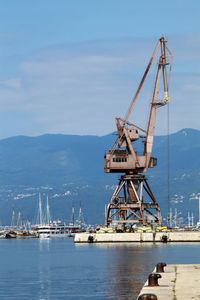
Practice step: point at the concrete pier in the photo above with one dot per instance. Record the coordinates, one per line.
(158, 237)
(178, 282)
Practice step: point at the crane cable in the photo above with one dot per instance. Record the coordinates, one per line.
(168, 164)
(168, 141)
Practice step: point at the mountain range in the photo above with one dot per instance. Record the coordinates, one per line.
(70, 169)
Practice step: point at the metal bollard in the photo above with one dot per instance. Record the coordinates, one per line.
(164, 238)
(160, 267)
(90, 239)
(153, 279)
(147, 297)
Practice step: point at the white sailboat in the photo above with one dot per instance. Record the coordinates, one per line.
(47, 228)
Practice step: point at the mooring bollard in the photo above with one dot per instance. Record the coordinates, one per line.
(153, 279)
(164, 238)
(90, 239)
(160, 267)
(147, 297)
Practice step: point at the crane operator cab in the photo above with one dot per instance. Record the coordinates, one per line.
(123, 157)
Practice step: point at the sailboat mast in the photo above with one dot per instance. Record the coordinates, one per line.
(81, 217)
(48, 216)
(13, 219)
(40, 217)
(189, 220)
(73, 220)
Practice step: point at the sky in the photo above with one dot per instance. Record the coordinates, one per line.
(72, 66)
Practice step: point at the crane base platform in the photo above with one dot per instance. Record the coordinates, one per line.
(138, 237)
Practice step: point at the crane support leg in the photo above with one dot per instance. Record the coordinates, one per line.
(132, 204)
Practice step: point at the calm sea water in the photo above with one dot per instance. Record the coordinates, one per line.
(59, 269)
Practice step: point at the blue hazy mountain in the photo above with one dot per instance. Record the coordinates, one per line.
(52, 159)
(70, 169)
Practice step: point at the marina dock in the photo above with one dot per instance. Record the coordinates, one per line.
(177, 282)
(158, 237)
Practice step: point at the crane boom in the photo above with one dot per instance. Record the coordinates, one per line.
(141, 84)
(155, 103)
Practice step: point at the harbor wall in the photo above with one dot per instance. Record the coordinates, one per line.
(176, 236)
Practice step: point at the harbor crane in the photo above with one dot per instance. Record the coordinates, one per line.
(133, 200)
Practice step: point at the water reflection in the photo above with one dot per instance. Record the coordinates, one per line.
(44, 245)
(44, 270)
(58, 269)
(129, 265)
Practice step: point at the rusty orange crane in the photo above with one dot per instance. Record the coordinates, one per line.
(133, 200)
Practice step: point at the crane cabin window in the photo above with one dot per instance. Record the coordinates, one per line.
(119, 159)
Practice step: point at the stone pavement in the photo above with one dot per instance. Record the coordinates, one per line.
(178, 282)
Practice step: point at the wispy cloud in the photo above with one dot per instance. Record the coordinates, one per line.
(80, 88)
